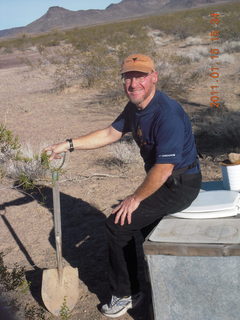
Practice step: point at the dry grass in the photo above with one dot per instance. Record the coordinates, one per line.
(122, 153)
(126, 151)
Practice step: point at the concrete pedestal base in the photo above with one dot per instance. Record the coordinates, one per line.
(195, 288)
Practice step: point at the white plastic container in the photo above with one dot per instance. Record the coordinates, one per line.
(231, 177)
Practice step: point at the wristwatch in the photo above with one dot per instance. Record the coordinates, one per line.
(71, 149)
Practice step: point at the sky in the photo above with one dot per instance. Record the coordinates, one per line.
(18, 13)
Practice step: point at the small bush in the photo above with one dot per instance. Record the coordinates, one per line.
(20, 163)
(122, 153)
(226, 59)
(34, 313)
(125, 151)
(179, 59)
(174, 84)
(193, 41)
(231, 46)
(219, 132)
(98, 68)
(65, 311)
(9, 145)
(11, 280)
(26, 170)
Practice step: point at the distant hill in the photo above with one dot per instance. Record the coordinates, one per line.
(60, 18)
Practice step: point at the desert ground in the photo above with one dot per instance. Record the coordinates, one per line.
(90, 183)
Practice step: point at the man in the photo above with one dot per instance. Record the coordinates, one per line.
(163, 133)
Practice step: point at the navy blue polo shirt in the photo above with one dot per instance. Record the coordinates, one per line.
(162, 131)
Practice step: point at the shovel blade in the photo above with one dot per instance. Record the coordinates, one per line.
(58, 295)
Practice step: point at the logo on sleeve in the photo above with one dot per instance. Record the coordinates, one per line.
(167, 155)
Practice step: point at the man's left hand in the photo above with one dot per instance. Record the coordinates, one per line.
(125, 209)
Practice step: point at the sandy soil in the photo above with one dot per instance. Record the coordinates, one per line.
(88, 186)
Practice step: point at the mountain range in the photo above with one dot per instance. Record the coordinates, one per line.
(60, 18)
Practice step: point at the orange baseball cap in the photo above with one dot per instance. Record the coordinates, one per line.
(138, 62)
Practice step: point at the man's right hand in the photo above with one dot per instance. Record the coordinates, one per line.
(56, 149)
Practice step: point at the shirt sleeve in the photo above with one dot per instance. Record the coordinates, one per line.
(122, 122)
(170, 139)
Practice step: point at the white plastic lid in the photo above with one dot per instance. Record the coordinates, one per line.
(207, 214)
(217, 200)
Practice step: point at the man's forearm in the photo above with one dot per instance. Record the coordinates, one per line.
(96, 139)
(155, 178)
(92, 140)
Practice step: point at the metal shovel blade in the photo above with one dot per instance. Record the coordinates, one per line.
(60, 294)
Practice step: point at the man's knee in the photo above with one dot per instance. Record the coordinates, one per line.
(111, 226)
(116, 232)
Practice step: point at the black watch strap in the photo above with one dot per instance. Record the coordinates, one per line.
(71, 149)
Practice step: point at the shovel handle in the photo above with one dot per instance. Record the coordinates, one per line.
(59, 257)
(57, 222)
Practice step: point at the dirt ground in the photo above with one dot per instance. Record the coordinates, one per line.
(89, 187)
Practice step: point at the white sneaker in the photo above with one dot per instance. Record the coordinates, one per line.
(119, 306)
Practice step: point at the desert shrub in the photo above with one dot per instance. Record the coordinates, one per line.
(176, 82)
(56, 55)
(27, 167)
(122, 153)
(113, 96)
(9, 145)
(25, 173)
(226, 58)
(217, 130)
(34, 313)
(20, 162)
(11, 279)
(179, 59)
(231, 46)
(172, 85)
(98, 68)
(167, 71)
(66, 74)
(125, 151)
(193, 41)
(196, 53)
(8, 50)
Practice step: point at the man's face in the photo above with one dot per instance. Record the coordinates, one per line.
(140, 87)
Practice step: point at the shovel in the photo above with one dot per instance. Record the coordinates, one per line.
(60, 287)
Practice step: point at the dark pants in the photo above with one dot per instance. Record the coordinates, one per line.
(175, 195)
